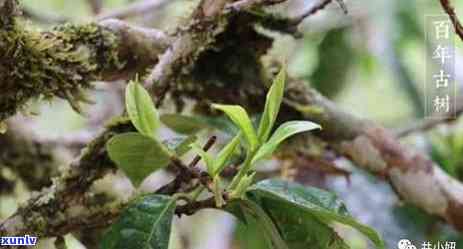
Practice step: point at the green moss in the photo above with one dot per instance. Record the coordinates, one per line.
(59, 63)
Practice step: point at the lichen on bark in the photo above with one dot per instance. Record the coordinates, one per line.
(59, 63)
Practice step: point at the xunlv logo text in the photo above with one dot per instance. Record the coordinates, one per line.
(18, 241)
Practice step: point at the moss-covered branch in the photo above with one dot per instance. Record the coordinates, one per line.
(53, 211)
(64, 61)
(33, 163)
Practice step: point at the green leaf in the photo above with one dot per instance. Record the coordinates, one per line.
(137, 155)
(272, 106)
(240, 117)
(249, 235)
(145, 224)
(252, 211)
(183, 124)
(180, 145)
(206, 157)
(290, 201)
(141, 110)
(296, 228)
(301, 230)
(283, 132)
(225, 154)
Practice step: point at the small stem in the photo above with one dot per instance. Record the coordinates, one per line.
(185, 174)
(242, 172)
(206, 147)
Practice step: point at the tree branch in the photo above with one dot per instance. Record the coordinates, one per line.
(50, 212)
(414, 177)
(63, 62)
(34, 163)
(448, 8)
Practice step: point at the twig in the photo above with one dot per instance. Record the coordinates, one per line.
(427, 124)
(448, 8)
(343, 6)
(192, 173)
(320, 6)
(210, 142)
(192, 207)
(186, 173)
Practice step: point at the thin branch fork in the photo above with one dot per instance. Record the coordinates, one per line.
(193, 207)
(450, 10)
(320, 6)
(187, 173)
(430, 123)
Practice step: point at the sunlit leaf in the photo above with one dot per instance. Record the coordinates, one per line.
(141, 110)
(272, 106)
(240, 117)
(137, 155)
(283, 132)
(145, 224)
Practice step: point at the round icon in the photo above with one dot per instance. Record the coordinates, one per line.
(405, 244)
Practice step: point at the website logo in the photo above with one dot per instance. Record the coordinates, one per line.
(18, 241)
(405, 244)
